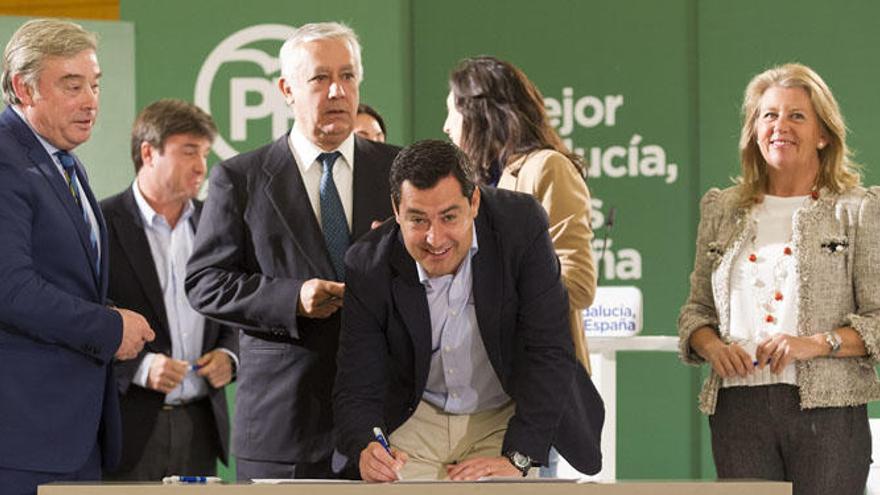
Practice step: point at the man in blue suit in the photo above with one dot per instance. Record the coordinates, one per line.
(59, 411)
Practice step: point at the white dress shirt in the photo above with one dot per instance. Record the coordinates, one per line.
(306, 154)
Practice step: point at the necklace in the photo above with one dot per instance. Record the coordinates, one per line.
(769, 293)
(769, 270)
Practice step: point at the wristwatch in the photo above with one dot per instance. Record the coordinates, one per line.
(519, 461)
(833, 339)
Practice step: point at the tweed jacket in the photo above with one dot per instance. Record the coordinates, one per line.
(837, 241)
(550, 177)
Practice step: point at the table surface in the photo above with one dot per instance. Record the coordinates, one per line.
(434, 488)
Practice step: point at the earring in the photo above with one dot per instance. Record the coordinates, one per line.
(821, 145)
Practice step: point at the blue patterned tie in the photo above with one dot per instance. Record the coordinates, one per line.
(333, 222)
(68, 163)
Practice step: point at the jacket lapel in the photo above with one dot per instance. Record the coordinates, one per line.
(102, 231)
(37, 154)
(136, 249)
(366, 207)
(286, 192)
(488, 287)
(412, 304)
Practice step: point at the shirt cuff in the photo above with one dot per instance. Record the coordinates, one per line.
(234, 359)
(143, 371)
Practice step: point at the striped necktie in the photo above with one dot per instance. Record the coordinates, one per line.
(68, 163)
(333, 222)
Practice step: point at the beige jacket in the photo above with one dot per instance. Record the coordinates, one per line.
(551, 178)
(837, 240)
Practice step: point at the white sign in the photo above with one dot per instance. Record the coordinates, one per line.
(616, 311)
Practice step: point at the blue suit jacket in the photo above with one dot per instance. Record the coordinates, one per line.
(522, 312)
(57, 338)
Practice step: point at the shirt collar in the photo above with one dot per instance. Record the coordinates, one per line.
(308, 152)
(425, 279)
(149, 215)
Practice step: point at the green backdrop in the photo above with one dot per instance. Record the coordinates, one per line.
(649, 85)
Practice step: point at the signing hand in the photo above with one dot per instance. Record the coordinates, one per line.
(782, 349)
(166, 373)
(320, 298)
(376, 464)
(216, 367)
(482, 467)
(135, 332)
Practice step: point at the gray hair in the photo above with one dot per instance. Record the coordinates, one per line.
(32, 43)
(315, 31)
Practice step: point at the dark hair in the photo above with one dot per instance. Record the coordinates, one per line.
(367, 109)
(503, 115)
(424, 163)
(165, 118)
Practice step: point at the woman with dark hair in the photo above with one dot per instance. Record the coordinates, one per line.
(784, 302)
(497, 117)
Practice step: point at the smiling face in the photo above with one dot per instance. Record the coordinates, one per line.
(788, 130)
(323, 91)
(437, 224)
(63, 106)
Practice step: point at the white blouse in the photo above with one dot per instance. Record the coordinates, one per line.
(764, 286)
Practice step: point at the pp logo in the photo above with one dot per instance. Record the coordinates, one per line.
(265, 98)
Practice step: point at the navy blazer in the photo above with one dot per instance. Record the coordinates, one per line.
(522, 312)
(57, 338)
(134, 284)
(258, 242)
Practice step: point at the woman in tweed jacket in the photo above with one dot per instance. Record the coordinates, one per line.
(785, 296)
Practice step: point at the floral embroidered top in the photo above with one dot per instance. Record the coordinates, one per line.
(836, 240)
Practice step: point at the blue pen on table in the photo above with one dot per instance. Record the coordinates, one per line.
(380, 437)
(190, 479)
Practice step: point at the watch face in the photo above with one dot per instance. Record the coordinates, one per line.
(520, 460)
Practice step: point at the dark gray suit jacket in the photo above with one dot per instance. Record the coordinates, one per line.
(522, 311)
(258, 241)
(134, 285)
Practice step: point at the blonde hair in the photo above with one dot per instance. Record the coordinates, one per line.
(32, 43)
(837, 171)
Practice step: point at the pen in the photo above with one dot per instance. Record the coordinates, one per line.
(190, 479)
(195, 367)
(380, 437)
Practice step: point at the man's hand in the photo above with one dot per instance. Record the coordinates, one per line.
(135, 332)
(216, 367)
(482, 467)
(166, 373)
(320, 298)
(376, 464)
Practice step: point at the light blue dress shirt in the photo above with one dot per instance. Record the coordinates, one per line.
(461, 379)
(171, 249)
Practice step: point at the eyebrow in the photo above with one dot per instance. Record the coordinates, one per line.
(324, 68)
(77, 77)
(415, 211)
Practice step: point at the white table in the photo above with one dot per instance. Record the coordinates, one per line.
(603, 360)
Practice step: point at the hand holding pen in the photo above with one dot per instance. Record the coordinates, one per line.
(379, 461)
